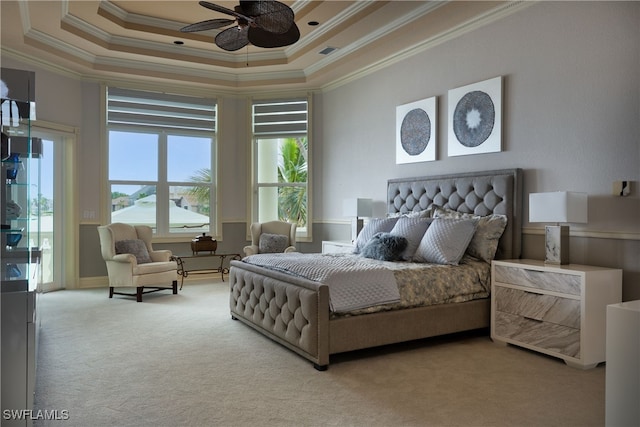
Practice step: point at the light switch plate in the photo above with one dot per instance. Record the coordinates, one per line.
(621, 188)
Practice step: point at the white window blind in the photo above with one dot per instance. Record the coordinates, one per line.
(127, 107)
(280, 118)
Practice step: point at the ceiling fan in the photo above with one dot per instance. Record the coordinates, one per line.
(263, 23)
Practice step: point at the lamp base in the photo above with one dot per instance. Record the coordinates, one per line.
(556, 239)
(356, 227)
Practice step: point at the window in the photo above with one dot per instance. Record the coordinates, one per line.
(280, 163)
(162, 161)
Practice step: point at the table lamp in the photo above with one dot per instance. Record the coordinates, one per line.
(357, 209)
(558, 207)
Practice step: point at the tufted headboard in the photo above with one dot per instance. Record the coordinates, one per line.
(479, 193)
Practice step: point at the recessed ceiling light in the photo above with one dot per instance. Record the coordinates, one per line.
(178, 42)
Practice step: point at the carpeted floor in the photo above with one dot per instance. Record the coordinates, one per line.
(179, 360)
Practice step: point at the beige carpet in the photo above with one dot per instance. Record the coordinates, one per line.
(179, 360)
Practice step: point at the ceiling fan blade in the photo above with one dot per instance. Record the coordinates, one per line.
(233, 39)
(261, 38)
(270, 15)
(221, 9)
(210, 24)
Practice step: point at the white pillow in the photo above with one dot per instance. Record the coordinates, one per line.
(412, 229)
(375, 225)
(445, 241)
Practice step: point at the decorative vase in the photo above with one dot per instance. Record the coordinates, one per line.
(13, 162)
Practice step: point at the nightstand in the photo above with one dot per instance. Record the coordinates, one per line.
(334, 246)
(559, 310)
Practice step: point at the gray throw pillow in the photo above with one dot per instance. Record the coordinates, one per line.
(135, 247)
(375, 225)
(445, 241)
(272, 243)
(385, 247)
(489, 229)
(412, 229)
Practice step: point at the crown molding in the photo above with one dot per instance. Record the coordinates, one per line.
(234, 82)
(342, 52)
(493, 15)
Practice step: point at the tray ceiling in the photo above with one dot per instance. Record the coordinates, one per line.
(140, 40)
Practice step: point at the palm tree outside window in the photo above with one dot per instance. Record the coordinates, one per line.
(281, 163)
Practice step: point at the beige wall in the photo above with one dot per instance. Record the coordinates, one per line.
(571, 121)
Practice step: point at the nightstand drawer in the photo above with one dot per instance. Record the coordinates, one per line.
(544, 335)
(545, 280)
(538, 307)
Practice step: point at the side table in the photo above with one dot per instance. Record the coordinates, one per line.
(183, 270)
(559, 310)
(335, 246)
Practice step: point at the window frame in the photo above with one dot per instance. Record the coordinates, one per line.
(162, 230)
(302, 234)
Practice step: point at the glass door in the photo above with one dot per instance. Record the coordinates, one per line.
(48, 199)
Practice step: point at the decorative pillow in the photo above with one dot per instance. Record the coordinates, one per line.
(489, 229)
(411, 229)
(445, 241)
(134, 247)
(385, 247)
(272, 243)
(375, 225)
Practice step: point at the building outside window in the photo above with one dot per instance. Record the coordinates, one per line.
(162, 161)
(281, 163)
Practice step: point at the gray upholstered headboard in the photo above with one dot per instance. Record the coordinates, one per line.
(480, 193)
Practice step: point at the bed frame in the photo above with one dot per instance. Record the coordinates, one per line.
(294, 311)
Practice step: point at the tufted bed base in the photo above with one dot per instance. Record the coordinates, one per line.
(294, 311)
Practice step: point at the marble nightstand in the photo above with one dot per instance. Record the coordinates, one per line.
(559, 310)
(334, 246)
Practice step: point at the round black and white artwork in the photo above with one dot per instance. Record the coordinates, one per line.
(415, 131)
(474, 118)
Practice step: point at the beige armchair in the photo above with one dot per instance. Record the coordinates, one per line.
(272, 236)
(132, 262)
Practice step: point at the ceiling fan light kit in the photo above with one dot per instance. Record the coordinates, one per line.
(262, 23)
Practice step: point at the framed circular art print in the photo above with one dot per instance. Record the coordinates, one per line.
(475, 118)
(416, 124)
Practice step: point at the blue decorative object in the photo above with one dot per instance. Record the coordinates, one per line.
(13, 239)
(13, 271)
(13, 162)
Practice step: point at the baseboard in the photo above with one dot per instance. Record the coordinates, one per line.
(93, 282)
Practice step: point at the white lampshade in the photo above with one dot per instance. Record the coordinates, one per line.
(558, 207)
(357, 208)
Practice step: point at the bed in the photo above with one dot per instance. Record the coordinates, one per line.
(296, 312)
